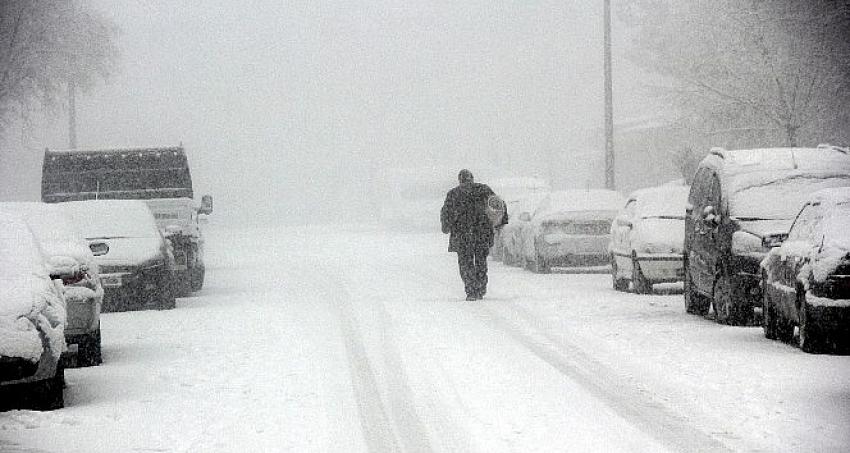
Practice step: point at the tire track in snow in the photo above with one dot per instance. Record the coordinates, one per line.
(394, 430)
(670, 429)
(660, 422)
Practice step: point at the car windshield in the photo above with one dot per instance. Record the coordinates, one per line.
(663, 205)
(779, 199)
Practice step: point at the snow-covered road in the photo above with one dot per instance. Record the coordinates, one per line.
(352, 339)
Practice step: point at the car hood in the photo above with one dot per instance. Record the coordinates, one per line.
(129, 251)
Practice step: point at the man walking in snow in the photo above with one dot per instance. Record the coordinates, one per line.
(464, 217)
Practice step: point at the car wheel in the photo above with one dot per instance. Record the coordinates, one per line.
(727, 309)
(811, 338)
(540, 265)
(198, 278)
(89, 350)
(695, 303)
(49, 394)
(620, 284)
(167, 301)
(640, 284)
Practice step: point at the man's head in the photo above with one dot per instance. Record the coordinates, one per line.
(465, 176)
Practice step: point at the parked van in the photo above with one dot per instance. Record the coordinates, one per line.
(740, 204)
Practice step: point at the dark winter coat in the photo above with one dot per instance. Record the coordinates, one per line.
(464, 216)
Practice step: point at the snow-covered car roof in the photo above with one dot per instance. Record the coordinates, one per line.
(745, 168)
(98, 219)
(662, 201)
(54, 230)
(564, 201)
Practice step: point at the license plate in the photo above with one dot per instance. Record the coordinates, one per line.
(110, 281)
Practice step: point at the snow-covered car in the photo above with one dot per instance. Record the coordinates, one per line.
(69, 258)
(806, 280)
(647, 237)
(512, 190)
(570, 228)
(137, 267)
(511, 234)
(32, 322)
(738, 200)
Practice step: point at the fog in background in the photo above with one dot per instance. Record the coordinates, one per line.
(290, 111)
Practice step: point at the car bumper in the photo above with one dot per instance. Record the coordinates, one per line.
(134, 290)
(83, 317)
(662, 267)
(581, 250)
(832, 315)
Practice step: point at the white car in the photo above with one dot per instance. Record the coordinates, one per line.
(570, 228)
(32, 322)
(511, 235)
(137, 266)
(68, 257)
(647, 238)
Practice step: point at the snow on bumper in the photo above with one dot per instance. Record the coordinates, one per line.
(555, 246)
(661, 267)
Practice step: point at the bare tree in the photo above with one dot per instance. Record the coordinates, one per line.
(777, 70)
(44, 45)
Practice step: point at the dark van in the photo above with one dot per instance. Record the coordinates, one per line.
(741, 204)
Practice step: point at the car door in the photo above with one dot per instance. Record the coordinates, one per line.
(703, 254)
(621, 237)
(795, 255)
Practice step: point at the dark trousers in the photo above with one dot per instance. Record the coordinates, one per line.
(472, 262)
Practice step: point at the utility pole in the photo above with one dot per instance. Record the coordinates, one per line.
(609, 107)
(72, 113)
(72, 91)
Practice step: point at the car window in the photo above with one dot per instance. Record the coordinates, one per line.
(805, 225)
(630, 209)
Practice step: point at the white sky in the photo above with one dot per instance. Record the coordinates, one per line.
(289, 107)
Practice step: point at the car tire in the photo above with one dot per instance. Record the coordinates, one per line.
(198, 278)
(726, 310)
(49, 394)
(639, 283)
(166, 298)
(620, 284)
(695, 303)
(811, 338)
(89, 350)
(539, 265)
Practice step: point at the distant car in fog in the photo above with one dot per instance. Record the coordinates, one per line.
(512, 233)
(32, 322)
(570, 228)
(68, 256)
(739, 200)
(512, 190)
(806, 280)
(137, 266)
(647, 237)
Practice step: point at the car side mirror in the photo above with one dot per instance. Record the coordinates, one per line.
(525, 217)
(773, 240)
(206, 205)
(63, 267)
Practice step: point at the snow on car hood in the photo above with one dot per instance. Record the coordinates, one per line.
(762, 228)
(129, 251)
(654, 235)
